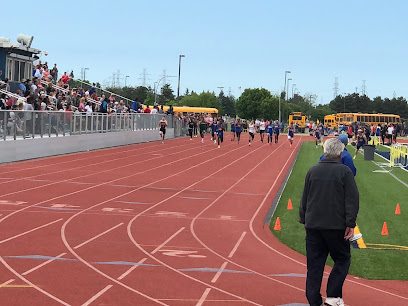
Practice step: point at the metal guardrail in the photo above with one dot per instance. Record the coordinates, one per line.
(15, 124)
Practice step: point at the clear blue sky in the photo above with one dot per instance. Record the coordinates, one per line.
(227, 43)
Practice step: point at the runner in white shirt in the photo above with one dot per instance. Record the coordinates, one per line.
(251, 131)
(390, 131)
(262, 126)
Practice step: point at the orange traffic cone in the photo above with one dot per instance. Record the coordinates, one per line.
(277, 226)
(290, 204)
(384, 231)
(397, 209)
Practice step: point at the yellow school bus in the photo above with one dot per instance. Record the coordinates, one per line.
(300, 119)
(370, 119)
(330, 121)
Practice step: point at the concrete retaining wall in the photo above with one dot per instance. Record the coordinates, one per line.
(16, 150)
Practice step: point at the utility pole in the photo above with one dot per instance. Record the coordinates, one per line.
(336, 87)
(363, 88)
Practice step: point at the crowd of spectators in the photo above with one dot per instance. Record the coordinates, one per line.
(48, 91)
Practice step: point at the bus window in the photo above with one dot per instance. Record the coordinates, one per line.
(358, 118)
(371, 118)
(398, 119)
(382, 119)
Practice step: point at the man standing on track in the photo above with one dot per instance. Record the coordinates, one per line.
(328, 209)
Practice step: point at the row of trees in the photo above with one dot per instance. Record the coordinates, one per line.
(260, 103)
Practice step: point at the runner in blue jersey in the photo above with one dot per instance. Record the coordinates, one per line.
(270, 131)
(276, 131)
(220, 132)
(291, 133)
(317, 136)
(238, 129)
(233, 129)
(361, 141)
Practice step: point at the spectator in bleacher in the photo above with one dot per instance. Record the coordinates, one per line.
(3, 99)
(54, 72)
(92, 90)
(147, 110)
(65, 78)
(112, 98)
(22, 85)
(33, 86)
(39, 72)
(88, 108)
(104, 105)
(46, 74)
(161, 110)
(135, 105)
(154, 110)
(81, 107)
(95, 97)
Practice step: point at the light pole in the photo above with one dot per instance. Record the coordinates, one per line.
(293, 86)
(288, 86)
(284, 88)
(178, 87)
(126, 79)
(85, 69)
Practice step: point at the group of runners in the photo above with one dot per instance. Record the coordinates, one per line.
(200, 124)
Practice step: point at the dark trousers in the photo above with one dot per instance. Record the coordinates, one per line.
(320, 243)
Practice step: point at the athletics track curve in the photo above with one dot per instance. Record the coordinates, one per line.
(173, 224)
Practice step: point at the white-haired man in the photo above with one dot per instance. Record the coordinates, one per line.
(328, 209)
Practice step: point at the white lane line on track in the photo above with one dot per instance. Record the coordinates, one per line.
(92, 299)
(237, 245)
(131, 269)
(168, 240)
(30, 283)
(203, 297)
(43, 264)
(7, 282)
(218, 274)
(97, 236)
(31, 230)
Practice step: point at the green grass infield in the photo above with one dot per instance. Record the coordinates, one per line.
(379, 257)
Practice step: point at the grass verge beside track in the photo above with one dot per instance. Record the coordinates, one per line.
(386, 257)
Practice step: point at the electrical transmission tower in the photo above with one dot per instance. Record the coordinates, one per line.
(144, 77)
(336, 87)
(363, 88)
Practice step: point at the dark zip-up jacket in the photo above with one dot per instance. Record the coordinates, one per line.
(330, 197)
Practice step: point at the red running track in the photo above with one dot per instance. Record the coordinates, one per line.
(173, 224)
